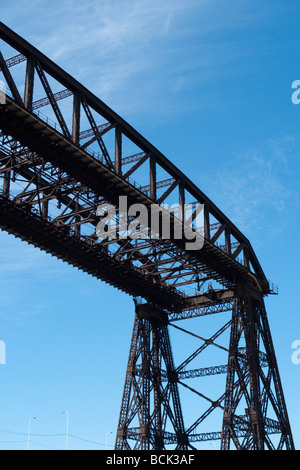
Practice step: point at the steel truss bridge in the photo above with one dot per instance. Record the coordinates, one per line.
(57, 166)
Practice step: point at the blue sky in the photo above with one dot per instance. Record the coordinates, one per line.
(209, 84)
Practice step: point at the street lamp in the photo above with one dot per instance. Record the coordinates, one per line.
(67, 434)
(110, 432)
(30, 419)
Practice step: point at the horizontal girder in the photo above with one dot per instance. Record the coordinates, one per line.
(57, 165)
(272, 427)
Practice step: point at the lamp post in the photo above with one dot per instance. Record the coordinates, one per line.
(30, 419)
(67, 433)
(110, 432)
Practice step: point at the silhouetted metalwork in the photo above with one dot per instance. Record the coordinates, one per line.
(56, 169)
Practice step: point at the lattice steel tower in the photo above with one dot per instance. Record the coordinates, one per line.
(216, 378)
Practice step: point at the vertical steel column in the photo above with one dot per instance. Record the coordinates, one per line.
(244, 393)
(76, 118)
(249, 400)
(29, 84)
(147, 407)
(124, 419)
(118, 150)
(206, 223)
(280, 406)
(227, 240)
(181, 200)
(6, 184)
(158, 399)
(45, 208)
(153, 193)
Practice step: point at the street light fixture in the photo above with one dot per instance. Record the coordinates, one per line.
(67, 433)
(30, 419)
(110, 432)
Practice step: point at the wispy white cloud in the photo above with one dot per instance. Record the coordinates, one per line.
(25, 260)
(137, 52)
(258, 190)
(141, 57)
